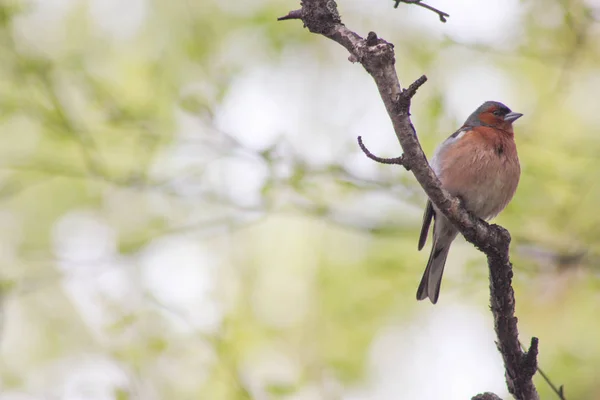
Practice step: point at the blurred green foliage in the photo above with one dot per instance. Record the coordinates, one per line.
(113, 151)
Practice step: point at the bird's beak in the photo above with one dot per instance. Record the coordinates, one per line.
(512, 116)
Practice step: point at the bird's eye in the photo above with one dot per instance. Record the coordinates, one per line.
(497, 113)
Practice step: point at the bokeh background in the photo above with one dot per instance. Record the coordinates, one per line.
(185, 213)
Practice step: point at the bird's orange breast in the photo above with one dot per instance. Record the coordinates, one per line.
(482, 168)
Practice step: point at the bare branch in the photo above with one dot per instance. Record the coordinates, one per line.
(443, 16)
(377, 57)
(396, 160)
(295, 14)
(560, 391)
(412, 89)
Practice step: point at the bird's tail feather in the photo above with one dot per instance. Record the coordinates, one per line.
(432, 277)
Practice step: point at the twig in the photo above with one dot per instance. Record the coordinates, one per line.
(295, 14)
(377, 57)
(413, 87)
(443, 16)
(381, 160)
(560, 391)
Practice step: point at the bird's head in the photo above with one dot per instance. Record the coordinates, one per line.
(493, 114)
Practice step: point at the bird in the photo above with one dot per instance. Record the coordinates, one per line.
(478, 164)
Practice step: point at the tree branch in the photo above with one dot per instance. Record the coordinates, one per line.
(378, 58)
(443, 16)
(396, 160)
(560, 391)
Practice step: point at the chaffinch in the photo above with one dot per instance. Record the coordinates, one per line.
(478, 164)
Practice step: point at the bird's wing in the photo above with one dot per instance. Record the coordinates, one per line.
(445, 145)
(427, 217)
(429, 214)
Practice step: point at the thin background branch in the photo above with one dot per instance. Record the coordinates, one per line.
(443, 16)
